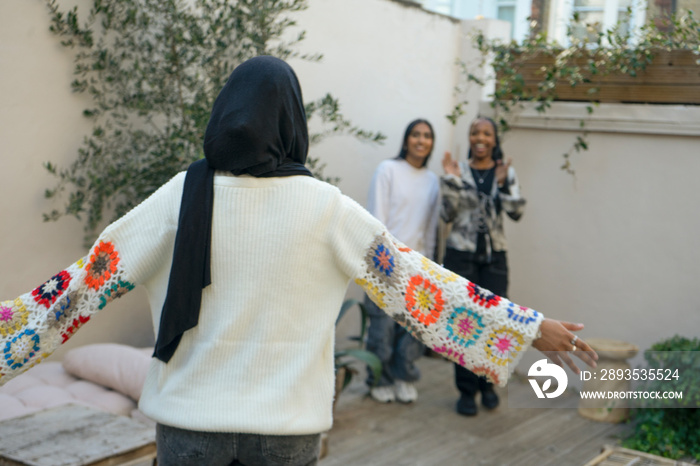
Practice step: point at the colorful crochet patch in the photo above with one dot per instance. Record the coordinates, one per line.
(465, 326)
(382, 262)
(490, 374)
(522, 314)
(424, 300)
(47, 293)
(482, 296)
(102, 265)
(13, 316)
(372, 291)
(439, 274)
(410, 326)
(115, 291)
(450, 354)
(62, 311)
(73, 327)
(21, 349)
(503, 345)
(402, 247)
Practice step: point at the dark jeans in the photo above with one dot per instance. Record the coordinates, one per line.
(180, 447)
(393, 345)
(493, 277)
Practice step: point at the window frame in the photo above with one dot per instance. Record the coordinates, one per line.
(562, 13)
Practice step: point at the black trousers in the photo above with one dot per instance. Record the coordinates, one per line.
(494, 277)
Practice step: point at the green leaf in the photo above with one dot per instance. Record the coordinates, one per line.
(367, 357)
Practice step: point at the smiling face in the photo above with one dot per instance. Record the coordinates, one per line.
(482, 140)
(418, 144)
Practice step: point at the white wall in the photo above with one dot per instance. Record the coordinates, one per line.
(388, 63)
(614, 246)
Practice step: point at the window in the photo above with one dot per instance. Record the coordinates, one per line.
(440, 6)
(516, 12)
(506, 12)
(601, 15)
(595, 16)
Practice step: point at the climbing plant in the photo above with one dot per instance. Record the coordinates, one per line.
(152, 70)
(587, 59)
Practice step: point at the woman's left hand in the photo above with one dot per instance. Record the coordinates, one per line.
(558, 342)
(502, 171)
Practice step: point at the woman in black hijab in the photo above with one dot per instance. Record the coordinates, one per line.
(257, 127)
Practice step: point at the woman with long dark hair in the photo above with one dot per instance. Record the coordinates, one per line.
(476, 193)
(405, 196)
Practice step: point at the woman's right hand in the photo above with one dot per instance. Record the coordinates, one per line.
(450, 165)
(558, 343)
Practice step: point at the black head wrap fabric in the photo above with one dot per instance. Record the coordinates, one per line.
(257, 127)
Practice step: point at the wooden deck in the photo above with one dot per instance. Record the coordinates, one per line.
(430, 432)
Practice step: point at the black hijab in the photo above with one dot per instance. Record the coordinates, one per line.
(257, 127)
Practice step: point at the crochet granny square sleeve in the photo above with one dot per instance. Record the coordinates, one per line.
(34, 324)
(465, 323)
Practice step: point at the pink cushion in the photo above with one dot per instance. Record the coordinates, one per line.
(48, 384)
(119, 367)
(24, 381)
(12, 407)
(52, 374)
(99, 397)
(44, 396)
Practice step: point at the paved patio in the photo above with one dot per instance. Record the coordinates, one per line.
(430, 432)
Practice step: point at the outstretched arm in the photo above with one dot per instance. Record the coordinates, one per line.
(467, 324)
(34, 324)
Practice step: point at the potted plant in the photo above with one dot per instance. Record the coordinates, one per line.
(346, 359)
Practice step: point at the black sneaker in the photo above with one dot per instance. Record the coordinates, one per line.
(489, 399)
(466, 406)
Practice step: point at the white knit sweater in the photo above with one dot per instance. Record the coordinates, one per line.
(407, 200)
(261, 358)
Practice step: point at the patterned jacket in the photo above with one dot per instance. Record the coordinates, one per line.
(464, 208)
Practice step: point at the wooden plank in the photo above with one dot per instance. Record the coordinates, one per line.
(672, 78)
(618, 93)
(665, 57)
(74, 435)
(429, 432)
(689, 75)
(136, 456)
(615, 456)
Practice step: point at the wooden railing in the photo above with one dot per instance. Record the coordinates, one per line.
(673, 77)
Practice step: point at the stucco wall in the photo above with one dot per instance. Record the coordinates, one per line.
(615, 245)
(388, 63)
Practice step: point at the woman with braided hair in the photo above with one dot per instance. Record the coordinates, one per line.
(476, 193)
